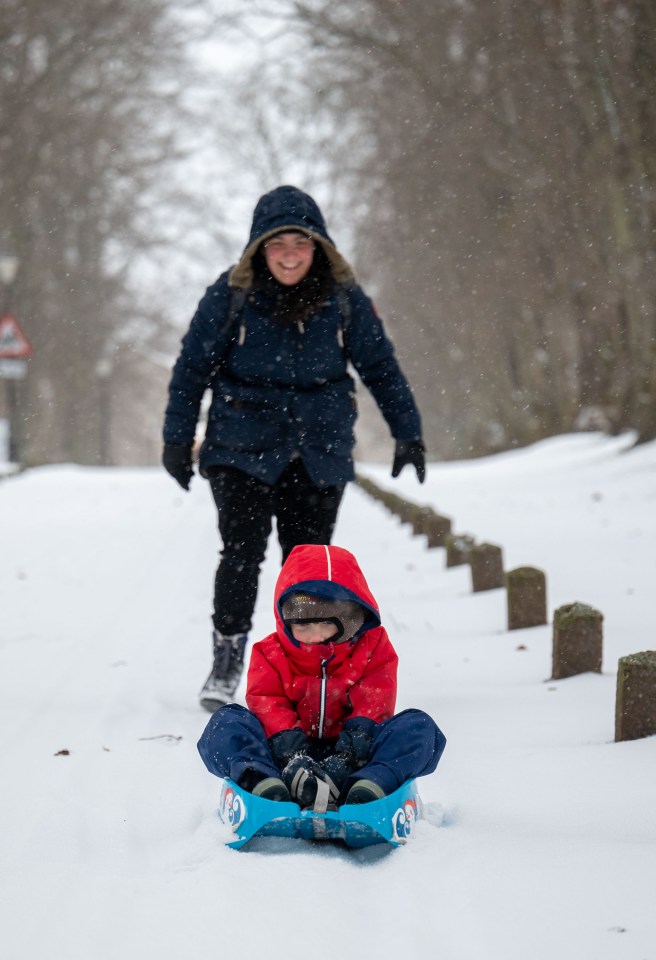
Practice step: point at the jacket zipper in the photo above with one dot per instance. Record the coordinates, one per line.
(322, 698)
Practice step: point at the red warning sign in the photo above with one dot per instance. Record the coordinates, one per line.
(13, 342)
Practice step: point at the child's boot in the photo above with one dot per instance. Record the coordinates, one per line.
(220, 686)
(364, 791)
(269, 788)
(272, 788)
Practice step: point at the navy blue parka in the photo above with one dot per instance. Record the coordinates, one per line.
(280, 390)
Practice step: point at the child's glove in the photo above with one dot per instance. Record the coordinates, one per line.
(336, 770)
(309, 784)
(354, 742)
(287, 744)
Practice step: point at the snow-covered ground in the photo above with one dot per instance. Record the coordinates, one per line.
(541, 842)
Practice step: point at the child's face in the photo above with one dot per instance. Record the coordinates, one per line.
(320, 631)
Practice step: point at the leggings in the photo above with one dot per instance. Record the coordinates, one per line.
(246, 507)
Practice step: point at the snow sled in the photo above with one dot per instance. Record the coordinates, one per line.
(390, 820)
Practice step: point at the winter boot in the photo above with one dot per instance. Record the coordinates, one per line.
(220, 686)
(271, 788)
(364, 791)
(260, 785)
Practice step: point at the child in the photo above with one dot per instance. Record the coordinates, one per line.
(320, 727)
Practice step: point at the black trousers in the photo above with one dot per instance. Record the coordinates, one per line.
(246, 507)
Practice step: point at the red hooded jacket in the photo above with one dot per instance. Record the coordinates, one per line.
(317, 687)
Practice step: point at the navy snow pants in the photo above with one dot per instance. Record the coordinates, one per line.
(407, 745)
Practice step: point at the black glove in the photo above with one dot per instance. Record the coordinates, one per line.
(354, 742)
(410, 452)
(177, 462)
(287, 744)
(302, 776)
(336, 770)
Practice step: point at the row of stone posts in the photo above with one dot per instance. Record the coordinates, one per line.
(577, 628)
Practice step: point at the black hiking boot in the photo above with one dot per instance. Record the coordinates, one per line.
(220, 686)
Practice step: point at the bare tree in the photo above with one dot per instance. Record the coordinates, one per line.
(505, 170)
(88, 94)
(495, 163)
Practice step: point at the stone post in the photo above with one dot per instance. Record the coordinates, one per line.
(458, 548)
(577, 640)
(486, 562)
(635, 703)
(526, 597)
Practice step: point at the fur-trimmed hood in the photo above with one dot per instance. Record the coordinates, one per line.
(288, 208)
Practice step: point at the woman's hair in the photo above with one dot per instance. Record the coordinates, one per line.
(295, 304)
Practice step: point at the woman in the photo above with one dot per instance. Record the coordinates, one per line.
(272, 339)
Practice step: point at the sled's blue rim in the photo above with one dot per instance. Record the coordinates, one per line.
(389, 820)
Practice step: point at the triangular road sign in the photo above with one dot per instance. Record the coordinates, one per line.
(13, 342)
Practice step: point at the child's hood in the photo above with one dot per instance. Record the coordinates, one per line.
(324, 571)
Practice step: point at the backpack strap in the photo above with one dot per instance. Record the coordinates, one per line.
(346, 311)
(236, 305)
(238, 299)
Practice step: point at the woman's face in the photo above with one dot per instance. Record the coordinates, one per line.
(289, 257)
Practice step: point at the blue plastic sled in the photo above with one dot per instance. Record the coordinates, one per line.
(390, 820)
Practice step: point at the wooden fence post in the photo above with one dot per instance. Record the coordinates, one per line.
(423, 519)
(418, 518)
(437, 528)
(431, 525)
(404, 509)
(577, 640)
(526, 597)
(486, 562)
(635, 702)
(458, 548)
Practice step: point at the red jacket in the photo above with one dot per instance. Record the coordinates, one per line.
(316, 688)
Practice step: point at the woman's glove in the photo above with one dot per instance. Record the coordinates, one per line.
(287, 744)
(177, 462)
(410, 452)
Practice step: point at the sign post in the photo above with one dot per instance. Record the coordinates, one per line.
(15, 350)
